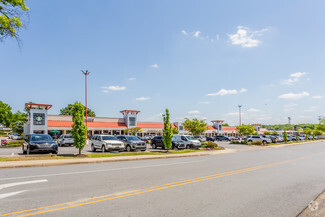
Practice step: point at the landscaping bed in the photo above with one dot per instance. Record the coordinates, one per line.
(17, 143)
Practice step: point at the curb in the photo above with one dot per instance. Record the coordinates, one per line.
(59, 162)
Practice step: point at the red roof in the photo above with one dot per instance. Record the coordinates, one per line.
(36, 105)
(151, 125)
(51, 123)
(229, 128)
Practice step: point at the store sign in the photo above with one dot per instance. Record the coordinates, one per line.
(39, 119)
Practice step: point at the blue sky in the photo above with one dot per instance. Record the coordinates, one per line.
(197, 58)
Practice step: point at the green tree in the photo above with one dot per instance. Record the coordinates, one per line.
(5, 114)
(17, 122)
(307, 132)
(275, 133)
(79, 129)
(321, 125)
(285, 135)
(11, 12)
(245, 130)
(225, 125)
(132, 131)
(317, 133)
(68, 111)
(195, 126)
(175, 130)
(167, 131)
(267, 133)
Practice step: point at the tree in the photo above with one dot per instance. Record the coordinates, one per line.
(132, 131)
(225, 125)
(79, 129)
(267, 133)
(285, 135)
(245, 130)
(68, 111)
(195, 126)
(317, 133)
(275, 133)
(5, 114)
(17, 122)
(175, 130)
(167, 131)
(321, 125)
(307, 132)
(11, 12)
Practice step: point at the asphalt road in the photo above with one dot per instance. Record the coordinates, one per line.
(265, 182)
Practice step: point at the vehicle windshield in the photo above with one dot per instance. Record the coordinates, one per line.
(176, 139)
(68, 137)
(133, 138)
(41, 138)
(108, 138)
(190, 137)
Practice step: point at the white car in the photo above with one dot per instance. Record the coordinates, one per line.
(106, 143)
(191, 141)
(65, 140)
(263, 139)
(15, 136)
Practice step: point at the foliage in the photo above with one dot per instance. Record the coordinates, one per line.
(267, 133)
(275, 133)
(17, 143)
(14, 120)
(132, 131)
(210, 145)
(195, 126)
(317, 133)
(79, 129)
(5, 114)
(167, 131)
(239, 142)
(286, 126)
(11, 12)
(257, 143)
(245, 130)
(68, 111)
(321, 125)
(175, 130)
(285, 136)
(307, 132)
(225, 125)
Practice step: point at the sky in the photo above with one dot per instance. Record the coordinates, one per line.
(200, 59)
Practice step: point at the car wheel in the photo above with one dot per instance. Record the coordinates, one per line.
(103, 149)
(54, 152)
(154, 146)
(188, 147)
(128, 148)
(24, 152)
(143, 150)
(93, 149)
(264, 142)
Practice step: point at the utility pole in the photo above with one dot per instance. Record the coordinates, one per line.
(289, 120)
(239, 107)
(86, 73)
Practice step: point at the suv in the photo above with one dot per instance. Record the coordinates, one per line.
(40, 143)
(157, 141)
(132, 143)
(191, 142)
(201, 138)
(259, 138)
(222, 138)
(65, 139)
(106, 143)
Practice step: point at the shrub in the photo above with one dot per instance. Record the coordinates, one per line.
(17, 143)
(239, 142)
(257, 143)
(210, 145)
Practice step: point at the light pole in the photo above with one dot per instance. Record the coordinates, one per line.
(86, 73)
(239, 107)
(289, 120)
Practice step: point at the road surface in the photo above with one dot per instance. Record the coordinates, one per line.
(265, 182)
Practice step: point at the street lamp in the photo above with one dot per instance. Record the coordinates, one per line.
(239, 107)
(86, 73)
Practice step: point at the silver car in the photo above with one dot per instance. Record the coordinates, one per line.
(263, 139)
(65, 140)
(190, 140)
(106, 143)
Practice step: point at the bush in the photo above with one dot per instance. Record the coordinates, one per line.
(239, 142)
(210, 145)
(17, 143)
(257, 143)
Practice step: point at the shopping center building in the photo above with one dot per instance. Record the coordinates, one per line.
(41, 122)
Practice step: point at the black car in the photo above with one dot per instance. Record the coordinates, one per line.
(40, 143)
(210, 139)
(222, 138)
(157, 142)
(132, 143)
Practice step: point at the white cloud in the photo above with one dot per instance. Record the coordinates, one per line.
(194, 112)
(311, 109)
(113, 88)
(253, 110)
(294, 77)
(184, 32)
(205, 102)
(132, 79)
(245, 37)
(154, 66)
(142, 98)
(197, 34)
(105, 91)
(289, 107)
(294, 96)
(224, 92)
(317, 97)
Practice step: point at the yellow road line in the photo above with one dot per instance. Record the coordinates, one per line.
(149, 189)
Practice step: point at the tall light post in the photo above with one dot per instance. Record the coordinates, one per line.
(239, 107)
(289, 120)
(86, 73)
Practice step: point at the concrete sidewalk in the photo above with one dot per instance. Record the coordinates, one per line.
(56, 162)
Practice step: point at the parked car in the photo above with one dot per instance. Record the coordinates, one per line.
(234, 138)
(10, 135)
(302, 137)
(177, 143)
(210, 139)
(106, 143)
(16, 136)
(65, 140)
(261, 138)
(40, 143)
(132, 143)
(291, 138)
(273, 138)
(222, 138)
(201, 138)
(192, 143)
(280, 138)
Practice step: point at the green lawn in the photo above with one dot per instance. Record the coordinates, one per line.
(70, 156)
